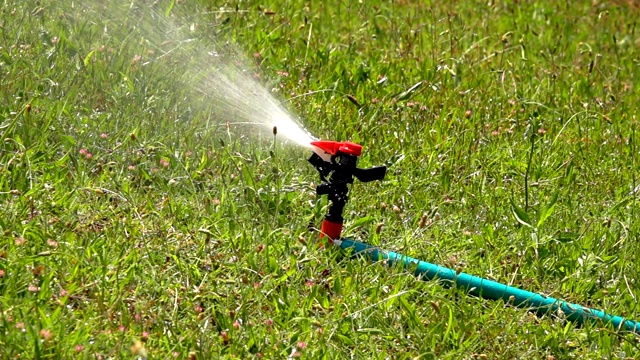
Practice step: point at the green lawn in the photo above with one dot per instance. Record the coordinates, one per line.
(141, 215)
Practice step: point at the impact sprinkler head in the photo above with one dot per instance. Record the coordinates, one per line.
(336, 162)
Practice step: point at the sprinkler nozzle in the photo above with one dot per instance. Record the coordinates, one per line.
(335, 147)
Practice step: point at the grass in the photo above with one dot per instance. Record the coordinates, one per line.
(136, 224)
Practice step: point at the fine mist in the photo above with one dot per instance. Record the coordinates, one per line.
(193, 56)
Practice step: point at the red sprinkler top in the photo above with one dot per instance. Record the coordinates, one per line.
(334, 147)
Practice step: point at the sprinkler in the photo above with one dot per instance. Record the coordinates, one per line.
(336, 162)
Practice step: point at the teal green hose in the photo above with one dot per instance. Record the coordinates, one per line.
(488, 289)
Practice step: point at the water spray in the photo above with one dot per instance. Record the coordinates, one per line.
(336, 163)
(218, 77)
